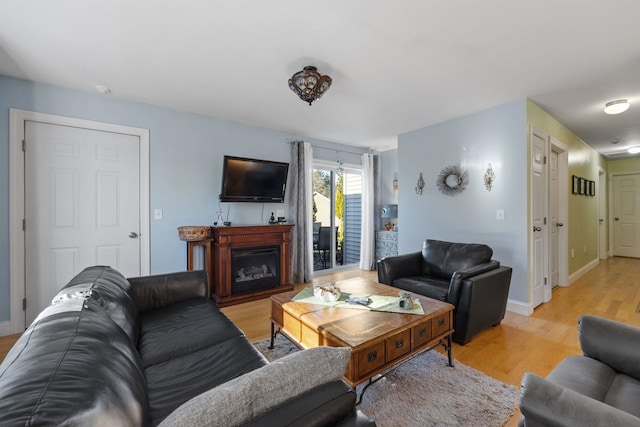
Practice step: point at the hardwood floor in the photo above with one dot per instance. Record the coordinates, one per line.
(519, 344)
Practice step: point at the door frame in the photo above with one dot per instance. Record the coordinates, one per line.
(17, 119)
(610, 204)
(603, 214)
(562, 151)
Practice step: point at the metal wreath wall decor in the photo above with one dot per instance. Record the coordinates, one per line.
(452, 180)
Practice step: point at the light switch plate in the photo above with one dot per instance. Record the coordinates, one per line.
(500, 214)
(157, 213)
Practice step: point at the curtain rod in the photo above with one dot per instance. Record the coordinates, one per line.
(334, 149)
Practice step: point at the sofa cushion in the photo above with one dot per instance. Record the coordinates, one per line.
(238, 401)
(109, 289)
(431, 287)
(73, 366)
(182, 328)
(586, 376)
(624, 394)
(177, 380)
(442, 259)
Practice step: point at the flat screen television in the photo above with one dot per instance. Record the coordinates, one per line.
(253, 180)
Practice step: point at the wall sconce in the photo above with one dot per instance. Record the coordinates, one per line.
(420, 185)
(489, 177)
(395, 185)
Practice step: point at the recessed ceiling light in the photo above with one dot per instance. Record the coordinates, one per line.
(103, 89)
(634, 150)
(616, 107)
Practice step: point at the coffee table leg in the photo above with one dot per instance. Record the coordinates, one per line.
(274, 332)
(449, 350)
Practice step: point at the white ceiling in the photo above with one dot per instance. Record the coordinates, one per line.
(396, 65)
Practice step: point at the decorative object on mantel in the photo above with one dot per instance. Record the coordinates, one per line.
(489, 177)
(309, 84)
(420, 185)
(452, 180)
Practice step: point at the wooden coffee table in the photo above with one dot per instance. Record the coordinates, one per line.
(378, 340)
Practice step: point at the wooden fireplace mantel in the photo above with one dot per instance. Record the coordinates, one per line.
(225, 239)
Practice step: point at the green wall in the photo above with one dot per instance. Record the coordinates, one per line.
(583, 211)
(624, 166)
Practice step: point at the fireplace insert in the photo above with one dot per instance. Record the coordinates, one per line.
(255, 269)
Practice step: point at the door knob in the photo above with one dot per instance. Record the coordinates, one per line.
(537, 228)
(601, 220)
(559, 224)
(616, 218)
(133, 234)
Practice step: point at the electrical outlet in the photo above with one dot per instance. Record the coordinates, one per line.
(157, 214)
(500, 214)
(573, 253)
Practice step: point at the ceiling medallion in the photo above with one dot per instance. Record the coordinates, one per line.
(309, 84)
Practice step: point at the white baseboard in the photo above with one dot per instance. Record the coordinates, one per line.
(519, 307)
(584, 270)
(5, 328)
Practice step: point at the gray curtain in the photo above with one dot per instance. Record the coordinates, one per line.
(300, 205)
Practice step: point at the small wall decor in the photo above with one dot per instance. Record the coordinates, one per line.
(420, 185)
(452, 180)
(582, 186)
(489, 177)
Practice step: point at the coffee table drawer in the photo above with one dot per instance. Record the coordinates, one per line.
(421, 333)
(398, 345)
(441, 324)
(370, 358)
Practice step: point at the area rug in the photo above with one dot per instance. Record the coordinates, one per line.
(427, 392)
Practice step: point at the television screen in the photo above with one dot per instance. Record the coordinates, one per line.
(252, 180)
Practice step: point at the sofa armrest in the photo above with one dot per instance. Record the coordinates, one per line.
(391, 268)
(151, 292)
(613, 343)
(326, 405)
(544, 403)
(482, 302)
(456, 279)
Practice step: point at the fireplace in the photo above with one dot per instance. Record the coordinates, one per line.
(255, 269)
(250, 262)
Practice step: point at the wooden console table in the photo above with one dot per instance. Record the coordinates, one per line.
(206, 245)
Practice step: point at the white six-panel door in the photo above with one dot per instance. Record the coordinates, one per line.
(82, 206)
(626, 215)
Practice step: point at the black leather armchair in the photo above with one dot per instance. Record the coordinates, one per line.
(462, 274)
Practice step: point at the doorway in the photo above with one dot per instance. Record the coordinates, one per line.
(336, 216)
(548, 215)
(625, 211)
(79, 196)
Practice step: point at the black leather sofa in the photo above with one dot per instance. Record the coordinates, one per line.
(112, 351)
(462, 274)
(601, 387)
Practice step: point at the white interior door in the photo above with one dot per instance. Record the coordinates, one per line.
(538, 218)
(626, 215)
(82, 206)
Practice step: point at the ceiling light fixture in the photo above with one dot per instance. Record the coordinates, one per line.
(634, 150)
(616, 107)
(309, 84)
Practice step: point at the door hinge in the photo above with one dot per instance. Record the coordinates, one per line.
(545, 220)
(24, 304)
(544, 160)
(545, 281)
(24, 146)
(24, 224)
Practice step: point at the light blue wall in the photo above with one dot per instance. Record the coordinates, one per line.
(186, 158)
(388, 172)
(497, 136)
